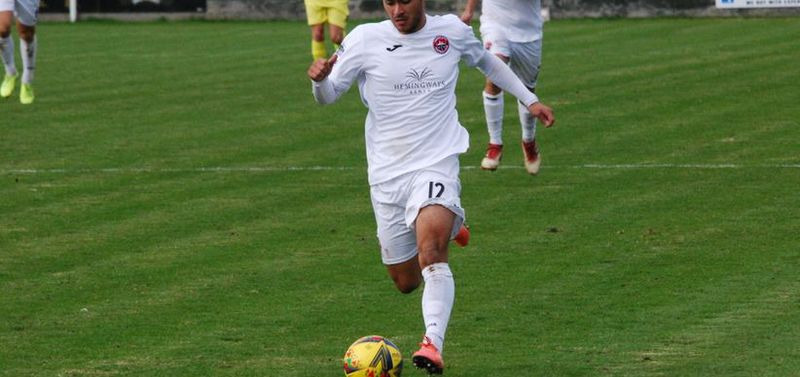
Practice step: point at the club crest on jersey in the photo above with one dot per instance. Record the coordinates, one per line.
(441, 44)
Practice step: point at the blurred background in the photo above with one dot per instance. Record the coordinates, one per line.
(295, 10)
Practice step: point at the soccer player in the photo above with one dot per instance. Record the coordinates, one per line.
(27, 15)
(320, 12)
(407, 68)
(512, 30)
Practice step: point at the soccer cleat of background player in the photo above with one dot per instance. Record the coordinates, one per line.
(494, 153)
(26, 94)
(7, 88)
(532, 160)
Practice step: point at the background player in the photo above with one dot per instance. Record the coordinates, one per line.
(512, 30)
(27, 15)
(407, 70)
(320, 12)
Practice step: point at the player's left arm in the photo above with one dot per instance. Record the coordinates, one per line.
(473, 53)
(543, 112)
(501, 75)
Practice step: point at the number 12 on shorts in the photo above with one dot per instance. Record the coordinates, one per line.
(433, 186)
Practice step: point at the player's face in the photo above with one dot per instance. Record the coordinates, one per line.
(407, 16)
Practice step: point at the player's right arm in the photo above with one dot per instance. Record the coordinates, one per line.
(321, 68)
(330, 78)
(322, 88)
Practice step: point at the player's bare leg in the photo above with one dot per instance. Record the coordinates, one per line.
(406, 276)
(318, 50)
(337, 35)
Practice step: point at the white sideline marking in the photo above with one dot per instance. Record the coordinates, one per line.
(686, 166)
(268, 169)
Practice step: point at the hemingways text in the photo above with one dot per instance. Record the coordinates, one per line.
(417, 87)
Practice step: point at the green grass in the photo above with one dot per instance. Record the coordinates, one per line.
(175, 204)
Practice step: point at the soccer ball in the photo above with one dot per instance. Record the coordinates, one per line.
(373, 356)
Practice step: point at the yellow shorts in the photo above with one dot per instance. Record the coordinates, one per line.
(334, 12)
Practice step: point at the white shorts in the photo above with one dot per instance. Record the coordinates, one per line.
(397, 203)
(525, 58)
(27, 11)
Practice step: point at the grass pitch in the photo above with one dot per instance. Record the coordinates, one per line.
(175, 204)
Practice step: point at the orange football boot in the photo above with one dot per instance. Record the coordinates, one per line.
(428, 358)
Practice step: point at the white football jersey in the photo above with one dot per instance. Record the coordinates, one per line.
(521, 20)
(408, 82)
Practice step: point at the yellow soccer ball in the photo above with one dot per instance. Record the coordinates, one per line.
(373, 356)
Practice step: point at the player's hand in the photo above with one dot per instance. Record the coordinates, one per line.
(543, 112)
(321, 68)
(466, 17)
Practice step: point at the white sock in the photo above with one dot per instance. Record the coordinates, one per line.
(528, 122)
(7, 52)
(437, 301)
(493, 108)
(28, 51)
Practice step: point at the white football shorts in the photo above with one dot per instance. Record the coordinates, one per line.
(525, 58)
(397, 202)
(27, 11)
